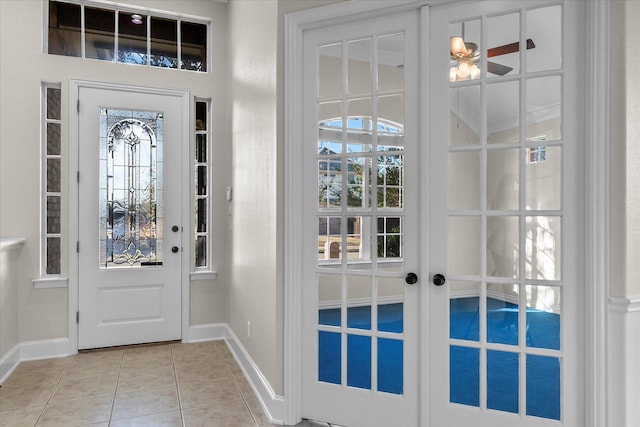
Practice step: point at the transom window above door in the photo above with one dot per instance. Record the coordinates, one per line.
(126, 35)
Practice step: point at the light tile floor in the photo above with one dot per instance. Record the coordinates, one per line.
(169, 385)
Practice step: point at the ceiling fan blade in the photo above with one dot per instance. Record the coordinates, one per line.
(497, 69)
(508, 48)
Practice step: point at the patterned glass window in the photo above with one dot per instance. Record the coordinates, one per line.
(131, 190)
(202, 173)
(52, 179)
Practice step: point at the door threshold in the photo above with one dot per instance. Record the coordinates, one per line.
(130, 346)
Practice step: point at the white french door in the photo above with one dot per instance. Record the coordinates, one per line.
(130, 226)
(444, 142)
(360, 222)
(505, 228)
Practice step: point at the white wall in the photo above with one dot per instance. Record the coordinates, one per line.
(43, 313)
(625, 150)
(256, 82)
(252, 73)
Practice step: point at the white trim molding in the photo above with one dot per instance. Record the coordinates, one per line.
(33, 350)
(623, 381)
(600, 342)
(9, 362)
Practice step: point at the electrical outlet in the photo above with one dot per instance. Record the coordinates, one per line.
(249, 329)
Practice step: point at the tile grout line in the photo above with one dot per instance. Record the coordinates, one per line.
(175, 379)
(115, 391)
(55, 388)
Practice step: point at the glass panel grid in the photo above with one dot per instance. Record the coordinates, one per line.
(142, 39)
(202, 178)
(359, 153)
(515, 226)
(51, 191)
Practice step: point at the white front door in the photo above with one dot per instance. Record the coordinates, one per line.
(130, 225)
(475, 187)
(360, 220)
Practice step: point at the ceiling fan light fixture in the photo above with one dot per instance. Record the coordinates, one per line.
(475, 71)
(464, 70)
(457, 46)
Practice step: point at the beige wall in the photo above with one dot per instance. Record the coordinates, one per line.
(43, 313)
(625, 150)
(256, 79)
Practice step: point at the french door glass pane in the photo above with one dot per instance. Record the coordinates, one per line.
(546, 56)
(502, 381)
(360, 213)
(503, 36)
(505, 205)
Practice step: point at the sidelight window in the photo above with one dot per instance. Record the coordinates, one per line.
(52, 180)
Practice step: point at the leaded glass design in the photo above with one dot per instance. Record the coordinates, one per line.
(130, 188)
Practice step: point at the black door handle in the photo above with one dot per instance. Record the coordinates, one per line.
(411, 278)
(175, 228)
(175, 249)
(439, 279)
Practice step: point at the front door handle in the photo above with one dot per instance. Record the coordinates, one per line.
(175, 249)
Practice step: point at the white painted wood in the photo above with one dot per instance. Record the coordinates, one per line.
(9, 362)
(597, 212)
(11, 242)
(442, 412)
(597, 171)
(623, 385)
(352, 406)
(130, 305)
(50, 282)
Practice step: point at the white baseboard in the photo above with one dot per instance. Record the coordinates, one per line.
(212, 331)
(9, 362)
(623, 368)
(45, 349)
(32, 350)
(273, 405)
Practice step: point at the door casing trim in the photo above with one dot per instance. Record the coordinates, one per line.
(74, 196)
(597, 204)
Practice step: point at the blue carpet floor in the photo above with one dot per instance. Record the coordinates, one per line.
(542, 372)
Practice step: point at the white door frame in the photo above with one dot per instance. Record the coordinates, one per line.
(74, 196)
(596, 92)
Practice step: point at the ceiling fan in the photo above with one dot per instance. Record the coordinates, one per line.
(466, 54)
